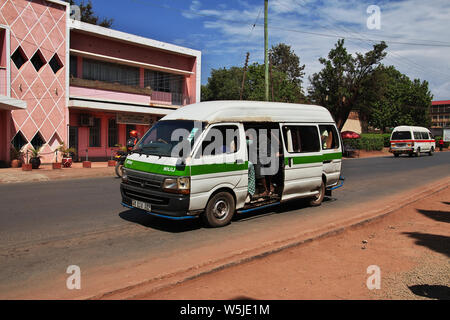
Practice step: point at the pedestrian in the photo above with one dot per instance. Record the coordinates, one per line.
(441, 144)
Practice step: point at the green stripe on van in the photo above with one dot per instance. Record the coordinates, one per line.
(313, 159)
(218, 167)
(194, 170)
(156, 168)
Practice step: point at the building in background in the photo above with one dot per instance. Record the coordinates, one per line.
(440, 116)
(63, 80)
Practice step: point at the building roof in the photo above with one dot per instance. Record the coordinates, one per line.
(439, 102)
(131, 38)
(250, 111)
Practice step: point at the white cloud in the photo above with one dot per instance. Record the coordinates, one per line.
(229, 34)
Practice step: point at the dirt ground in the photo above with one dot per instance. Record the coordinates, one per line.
(411, 246)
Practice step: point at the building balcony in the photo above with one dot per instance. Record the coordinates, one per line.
(101, 90)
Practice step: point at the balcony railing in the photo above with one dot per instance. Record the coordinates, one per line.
(157, 97)
(170, 98)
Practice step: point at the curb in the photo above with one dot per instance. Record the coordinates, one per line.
(165, 281)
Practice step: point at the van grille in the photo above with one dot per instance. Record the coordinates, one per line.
(144, 180)
(149, 198)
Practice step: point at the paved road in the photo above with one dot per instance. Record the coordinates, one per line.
(46, 226)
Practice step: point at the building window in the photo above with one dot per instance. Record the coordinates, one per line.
(112, 133)
(19, 141)
(37, 140)
(161, 81)
(38, 60)
(55, 63)
(110, 72)
(94, 133)
(73, 67)
(19, 57)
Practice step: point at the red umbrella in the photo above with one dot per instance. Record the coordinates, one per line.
(349, 135)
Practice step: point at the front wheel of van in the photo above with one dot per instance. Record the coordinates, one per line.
(317, 200)
(219, 210)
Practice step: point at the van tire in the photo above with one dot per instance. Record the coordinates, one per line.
(417, 153)
(317, 200)
(219, 210)
(431, 151)
(396, 155)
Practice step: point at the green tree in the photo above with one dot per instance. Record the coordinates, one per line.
(393, 99)
(339, 86)
(223, 84)
(88, 16)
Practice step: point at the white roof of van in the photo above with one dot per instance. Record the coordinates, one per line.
(250, 111)
(403, 128)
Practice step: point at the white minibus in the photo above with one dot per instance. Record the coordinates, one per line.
(211, 159)
(412, 141)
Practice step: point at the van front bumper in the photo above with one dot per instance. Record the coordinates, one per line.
(163, 204)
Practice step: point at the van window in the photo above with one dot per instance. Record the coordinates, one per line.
(220, 139)
(164, 137)
(328, 136)
(300, 139)
(425, 135)
(417, 135)
(401, 135)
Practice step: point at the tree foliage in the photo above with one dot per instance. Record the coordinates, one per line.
(285, 83)
(88, 15)
(340, 84)
(395, 100)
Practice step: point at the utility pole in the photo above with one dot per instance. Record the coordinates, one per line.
(243, 77)
(266, 53)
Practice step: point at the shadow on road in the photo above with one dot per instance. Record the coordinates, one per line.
(161, 224)
(434, 242)
(431, 291)
(441, 216)
(276, 209)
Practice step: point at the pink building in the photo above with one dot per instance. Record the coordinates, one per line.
(63, 80)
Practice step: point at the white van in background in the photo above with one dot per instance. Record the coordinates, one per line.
(411, 140)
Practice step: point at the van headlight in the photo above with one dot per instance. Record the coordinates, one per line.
(124, 175)
(177, 185)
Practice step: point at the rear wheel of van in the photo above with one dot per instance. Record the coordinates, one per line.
(417, 154)
(219, 210)
(431, 151)
(317, 200)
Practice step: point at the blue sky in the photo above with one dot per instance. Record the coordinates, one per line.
(417, 32)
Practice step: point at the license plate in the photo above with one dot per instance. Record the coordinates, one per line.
(141, 205)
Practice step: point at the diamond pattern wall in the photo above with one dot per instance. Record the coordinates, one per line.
(37, 25)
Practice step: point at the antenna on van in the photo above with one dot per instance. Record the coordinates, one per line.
(243, 76)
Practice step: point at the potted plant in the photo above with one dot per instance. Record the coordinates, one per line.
(66, 155)
(16, 157)
(35, 159)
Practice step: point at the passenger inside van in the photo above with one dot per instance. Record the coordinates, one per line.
(261, 176)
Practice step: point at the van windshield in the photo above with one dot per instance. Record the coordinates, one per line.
(162, 138)
(401, 135)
